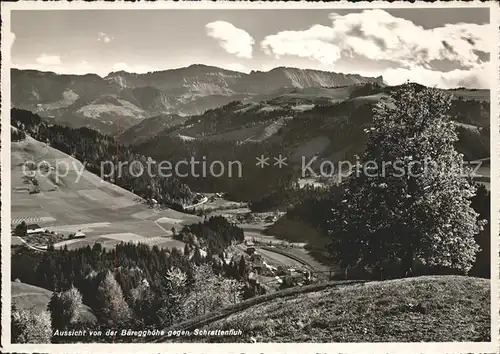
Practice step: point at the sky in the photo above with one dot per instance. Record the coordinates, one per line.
(435, 47)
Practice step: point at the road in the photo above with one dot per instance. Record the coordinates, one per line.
(203, 201)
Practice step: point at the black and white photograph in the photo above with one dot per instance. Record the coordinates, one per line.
(249, 173)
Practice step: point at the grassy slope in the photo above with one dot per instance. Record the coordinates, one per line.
(26, 296)
(438, 308)
(86, 201)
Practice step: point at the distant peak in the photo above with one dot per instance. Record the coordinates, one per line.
(118, 73)
(200, 66)
(280, 68)
(206, 67)
(290, 68)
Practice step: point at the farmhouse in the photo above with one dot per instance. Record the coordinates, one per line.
(79, 234)
(34, 229)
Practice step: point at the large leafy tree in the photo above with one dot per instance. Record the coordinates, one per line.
(112, 308)
(210, 292)
(65, 308)
(409, 198)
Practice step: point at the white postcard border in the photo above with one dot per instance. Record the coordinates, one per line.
(459, 347)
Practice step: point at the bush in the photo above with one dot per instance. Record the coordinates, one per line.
(28, 326)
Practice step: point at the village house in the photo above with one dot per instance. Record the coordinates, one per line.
(34, 229)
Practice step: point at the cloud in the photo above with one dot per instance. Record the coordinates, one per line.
(103, 37)
(477, 77)
(232, 39)
(377, 35)
(314, 43)
(45, 59)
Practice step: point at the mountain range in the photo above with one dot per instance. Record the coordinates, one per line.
(324, 122)
(227, 115)
(120, 100)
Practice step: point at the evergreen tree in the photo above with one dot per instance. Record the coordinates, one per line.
(21, 229)
(197, 258)
(242, 267)
(171, 310)
(409, 199)
(209, 256)
(187, 250)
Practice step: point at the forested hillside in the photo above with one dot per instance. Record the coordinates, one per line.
(300, 126)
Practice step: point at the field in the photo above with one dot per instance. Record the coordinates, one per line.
(479, 94)
(26, 296)
(83, 202)
(437, 308)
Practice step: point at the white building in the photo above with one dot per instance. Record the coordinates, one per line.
(33, 229)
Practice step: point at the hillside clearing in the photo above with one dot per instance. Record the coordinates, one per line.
(433, 308)
(26, 296)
